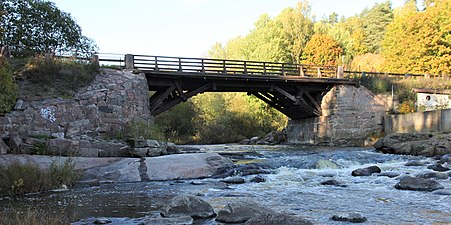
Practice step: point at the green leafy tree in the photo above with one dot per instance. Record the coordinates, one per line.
(322, 50)
(297, 29)
(38, 26)
(375, 22)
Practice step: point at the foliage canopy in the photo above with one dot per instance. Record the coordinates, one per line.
(30, 27)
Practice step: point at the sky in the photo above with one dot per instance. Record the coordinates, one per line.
(184, 28)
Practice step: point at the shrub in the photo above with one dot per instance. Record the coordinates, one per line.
(53, 76)
(406, 107)
(19, 179)
(8, 93)
(141, 129)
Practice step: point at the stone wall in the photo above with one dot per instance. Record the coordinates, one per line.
(350, 115)
(104, 106)
(439, 120)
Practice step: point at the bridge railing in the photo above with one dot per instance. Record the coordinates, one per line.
(210, 66)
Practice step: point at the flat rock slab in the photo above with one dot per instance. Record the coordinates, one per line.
(184, 166)
(44, 162)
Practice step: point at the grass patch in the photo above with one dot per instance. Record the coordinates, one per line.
(20, 179)
(31, 217)
(53, 77)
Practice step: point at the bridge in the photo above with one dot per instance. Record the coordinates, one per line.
(293, 89)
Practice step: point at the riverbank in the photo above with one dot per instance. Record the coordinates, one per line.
(295, 182)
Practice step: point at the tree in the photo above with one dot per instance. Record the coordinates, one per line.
(375, 21)
(420, 42)
(38, 26)
(322, 50)
(297, 29)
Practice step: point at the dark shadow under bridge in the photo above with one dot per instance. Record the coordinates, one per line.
(293, 89)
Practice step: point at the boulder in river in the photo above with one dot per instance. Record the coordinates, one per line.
(185, 166)
(189, 205)
(333, 183)
(418, 184)
(446, 191)
(368, 171)
(390, 174)
(349, 217)
(258, 179)
(438, 167)
(433, 175)
(241, 211)
(277, 219)
(234, 180)
(415, 163)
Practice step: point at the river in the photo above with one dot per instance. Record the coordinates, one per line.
(293, 186)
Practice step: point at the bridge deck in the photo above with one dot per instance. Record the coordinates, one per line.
(295, 90)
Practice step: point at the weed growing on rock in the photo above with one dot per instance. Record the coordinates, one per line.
(32, 217)
(18, 179)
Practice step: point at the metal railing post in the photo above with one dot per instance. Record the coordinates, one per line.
(340, 72)
(156, 63)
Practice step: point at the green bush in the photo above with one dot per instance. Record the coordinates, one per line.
(140, 129)
(8, 93)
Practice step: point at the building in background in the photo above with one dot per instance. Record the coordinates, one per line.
(433, 99)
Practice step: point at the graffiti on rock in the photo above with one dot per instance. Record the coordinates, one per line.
(48, 114)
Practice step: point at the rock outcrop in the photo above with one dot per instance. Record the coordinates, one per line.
(421, 144)
(114, 169)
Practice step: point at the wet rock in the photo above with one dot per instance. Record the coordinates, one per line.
(234, 180)
(185, 166)
(425, 144)
(333, 183)
(445, 159)
(349, 217)
(171, 148)
(325, 164)
(121, 170)
(258, 179)
(155, 151)
(368, 171)
(433, 175)
(446, 191)
(241, 211)
(185, 220)
(390, 174)
(102, 220)
(415, 163)
(254, 140)
(139, 152)
(4, 149)
(250, 169)
(418, 184)
(277, 219)
(189, 205)
(438, 167)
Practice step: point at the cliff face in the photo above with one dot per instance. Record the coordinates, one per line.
(104, 106)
